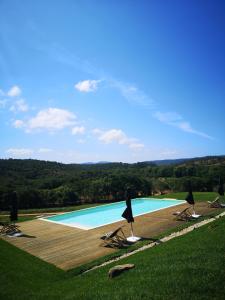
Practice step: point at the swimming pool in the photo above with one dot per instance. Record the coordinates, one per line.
(97, 216)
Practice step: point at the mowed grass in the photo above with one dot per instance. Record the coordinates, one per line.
(54, 209)
(198, 196)
(188, 267)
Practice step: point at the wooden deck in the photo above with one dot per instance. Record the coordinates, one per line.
(67, 247)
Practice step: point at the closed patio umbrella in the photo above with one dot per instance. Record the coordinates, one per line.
(189, 198)
(128, 215)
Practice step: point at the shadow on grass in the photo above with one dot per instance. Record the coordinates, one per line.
(150, 239)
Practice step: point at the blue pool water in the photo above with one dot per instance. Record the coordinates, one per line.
(97, 216)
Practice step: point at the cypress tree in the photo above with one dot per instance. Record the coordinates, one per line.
(14, 207)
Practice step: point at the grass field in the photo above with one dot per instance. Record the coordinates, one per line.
(191, 266)
(198, 196)
(54, 209)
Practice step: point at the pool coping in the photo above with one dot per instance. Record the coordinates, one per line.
(79, 226)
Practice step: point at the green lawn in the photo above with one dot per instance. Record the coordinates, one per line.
(198, 196)
(188, 267)
(54, 209)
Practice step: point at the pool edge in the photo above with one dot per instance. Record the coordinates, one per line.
(75, 225)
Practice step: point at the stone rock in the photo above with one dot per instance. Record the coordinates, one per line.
(115, 271)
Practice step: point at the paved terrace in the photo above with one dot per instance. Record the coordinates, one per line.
(68, 247)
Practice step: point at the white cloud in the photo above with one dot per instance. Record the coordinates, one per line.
(97, 131)
(87, 85)
(185, 126)
(15, 91)
(18, 124)
(19, 106)
(136, 146)
(174, 119)
(44, 150)
(132, 93)
(19, 152)
(113, 135)
(167, 117)
(78, 130)
(117, 136)
(51, 119)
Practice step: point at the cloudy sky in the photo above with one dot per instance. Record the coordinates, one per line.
(94, 80)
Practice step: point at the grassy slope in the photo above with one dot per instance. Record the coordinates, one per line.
(191, 266)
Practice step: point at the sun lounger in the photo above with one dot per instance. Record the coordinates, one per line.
(114, 239)
(9, 228)
(185, 215)
(216, 203)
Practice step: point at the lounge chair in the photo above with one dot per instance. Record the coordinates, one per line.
(114, 239)
(9, 228)
(216, 203)
(185, 215)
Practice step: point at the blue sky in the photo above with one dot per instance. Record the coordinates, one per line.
(125, 81)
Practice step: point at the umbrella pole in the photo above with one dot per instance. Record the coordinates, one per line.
(132, 238)
(131, 224)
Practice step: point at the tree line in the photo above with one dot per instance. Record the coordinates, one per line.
(40, 184)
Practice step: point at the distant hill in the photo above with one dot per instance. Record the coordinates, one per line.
(96, 163)
(170, 161)
(208, 160)
(164, 162)
(50, 184)
(196, 160)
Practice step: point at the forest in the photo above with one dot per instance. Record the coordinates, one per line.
(40, 184)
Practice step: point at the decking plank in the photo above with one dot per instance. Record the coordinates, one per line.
(68, 247)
